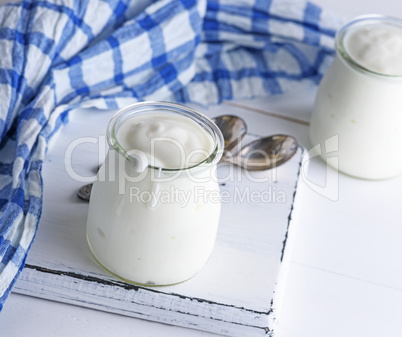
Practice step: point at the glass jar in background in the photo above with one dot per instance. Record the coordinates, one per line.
(155, 226)
(359, 100)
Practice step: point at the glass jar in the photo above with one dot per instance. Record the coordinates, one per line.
(361, 107)
(158, 226)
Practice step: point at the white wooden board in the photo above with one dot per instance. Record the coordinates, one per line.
(236, 294)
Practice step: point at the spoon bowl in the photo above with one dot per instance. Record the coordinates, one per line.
(233, 129)
(264, 153)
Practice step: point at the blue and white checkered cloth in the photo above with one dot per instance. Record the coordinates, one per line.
(62, 54)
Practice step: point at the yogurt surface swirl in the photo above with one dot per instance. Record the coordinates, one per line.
(376, 47)
(166, 140)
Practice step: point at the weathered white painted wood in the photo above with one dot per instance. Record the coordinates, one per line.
(233, 295)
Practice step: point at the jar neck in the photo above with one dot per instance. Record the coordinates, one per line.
(359, 22)
(145, 108)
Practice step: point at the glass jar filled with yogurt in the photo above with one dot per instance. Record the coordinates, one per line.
(154, 209)
(359, 99)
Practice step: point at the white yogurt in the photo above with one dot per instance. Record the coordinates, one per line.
(359, 100)
(376, 47)
(167, 140)
(160, 228)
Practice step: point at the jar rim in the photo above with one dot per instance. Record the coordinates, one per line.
(361, 21)
(148, 106)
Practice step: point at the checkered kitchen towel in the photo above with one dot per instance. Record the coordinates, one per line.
(58, 55)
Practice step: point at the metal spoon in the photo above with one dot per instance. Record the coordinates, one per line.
(233, 129)
(261, 154)
(264, 153)
(84, 192)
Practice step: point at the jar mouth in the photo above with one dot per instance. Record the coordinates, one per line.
(364, 21)
(156, 107)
